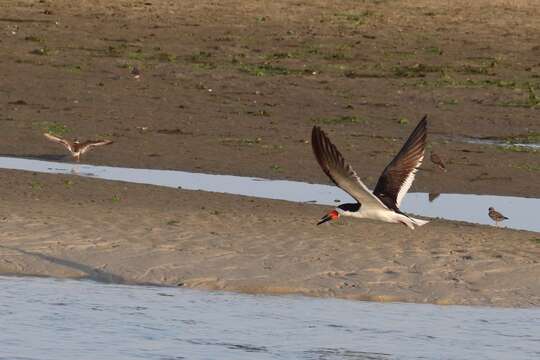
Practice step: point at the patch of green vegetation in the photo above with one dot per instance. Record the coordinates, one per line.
(403, 121)
(136, 55)
(68, 183)
(164, 57)
(416, 70)
(261, 112)
(433, 50)
(276, 168)
(400, 54)
(173, 222)
(355, 18)
(449, 102)
(352, 74)
(54, 128)
(242, 141)
(532, 101)
(536, 240)
(201, 60)
(36, 185)
(447, 80)
(33, 38)
(338, 55)
(527, 167)
(280, 55)
(268, 70)
(42, 51)
(474, 70)
(341, 119)
(72, 68)
(115, 198)
(515, 148)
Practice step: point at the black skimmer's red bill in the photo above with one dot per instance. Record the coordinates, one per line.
(496, 216)
(75, 147)
(437, 161)
(394, 182)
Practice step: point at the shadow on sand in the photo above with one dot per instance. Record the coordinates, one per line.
(92, 273)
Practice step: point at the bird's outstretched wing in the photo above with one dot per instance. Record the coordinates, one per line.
(87, 145)
(59, 140)
(340, 172)
(398, 176)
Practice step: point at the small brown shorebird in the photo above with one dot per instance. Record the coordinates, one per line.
(437, 161)
(496, 216)
(396, 179)
(75, 147)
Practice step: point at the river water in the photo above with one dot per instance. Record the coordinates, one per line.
(45, 318)
(523, 212)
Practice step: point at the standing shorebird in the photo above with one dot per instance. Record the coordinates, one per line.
(437, 161)
(496, 216)
(75, 147)
(396, 179)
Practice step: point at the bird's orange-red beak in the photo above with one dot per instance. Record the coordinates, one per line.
(332, 215)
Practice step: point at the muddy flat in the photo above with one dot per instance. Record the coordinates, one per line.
(235, 87)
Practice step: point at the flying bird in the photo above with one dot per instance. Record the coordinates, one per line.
(396, 179)
(75, 147)
(437, 161)
(496, 216)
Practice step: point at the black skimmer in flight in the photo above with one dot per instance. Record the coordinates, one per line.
(75, 147)
(496, 216)
(437, 161)
(394, 182)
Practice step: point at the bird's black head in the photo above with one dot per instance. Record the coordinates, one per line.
(334, 214)
(350, 207)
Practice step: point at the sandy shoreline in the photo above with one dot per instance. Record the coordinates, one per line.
(66, 226)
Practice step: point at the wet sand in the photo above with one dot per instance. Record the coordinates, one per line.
(67, 226)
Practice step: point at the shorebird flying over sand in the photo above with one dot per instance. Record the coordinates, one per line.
(394, 182)
(75, 147)
(496, 216)
(437, 161)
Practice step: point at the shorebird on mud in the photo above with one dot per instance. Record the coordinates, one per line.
(75, 147)
(437, 161)
(496, 216)
(396, 179)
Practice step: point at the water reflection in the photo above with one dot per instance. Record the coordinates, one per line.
(464, 207)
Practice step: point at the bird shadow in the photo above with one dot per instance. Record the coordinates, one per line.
(47, 157)
(92, 273)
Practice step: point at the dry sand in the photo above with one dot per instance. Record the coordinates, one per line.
(74, 227)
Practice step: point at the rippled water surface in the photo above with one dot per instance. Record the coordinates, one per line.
(66, 319)
(523, 212)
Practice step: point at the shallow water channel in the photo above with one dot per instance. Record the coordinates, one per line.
(68, 319)
(523, 212)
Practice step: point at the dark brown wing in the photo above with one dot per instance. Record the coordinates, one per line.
(87, 145)
(341, 173)
(398, 176)
(59, 140)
